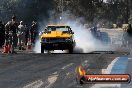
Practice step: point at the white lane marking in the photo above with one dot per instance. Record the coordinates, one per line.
(67, 73)
(106, 86)
(36, 84)
(65, 67)
(51, 79)
(108, 71)
(120, 66)
(109, 68)
(58, 51)
(55, 73)
(130, 58)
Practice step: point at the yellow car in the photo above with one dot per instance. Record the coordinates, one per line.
(57, 37)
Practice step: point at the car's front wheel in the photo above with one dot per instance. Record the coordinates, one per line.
(42, 48)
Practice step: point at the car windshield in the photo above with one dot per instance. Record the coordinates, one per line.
(61, 28)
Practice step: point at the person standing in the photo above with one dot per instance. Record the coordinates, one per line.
(33, 31)
(2, 34)
(129, 30)
(27, 34)
(11, 30)
(21, 36)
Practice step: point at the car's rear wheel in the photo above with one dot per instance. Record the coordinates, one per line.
(71, 50)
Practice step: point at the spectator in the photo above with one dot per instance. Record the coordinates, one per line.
(27, 34)
(21, 36)
(2, 34)
(11, 30)
(129, 30)
(33, 31)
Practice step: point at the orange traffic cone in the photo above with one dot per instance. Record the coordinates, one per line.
(29, 45)
(5, 49)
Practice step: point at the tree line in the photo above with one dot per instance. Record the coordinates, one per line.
(112, 11)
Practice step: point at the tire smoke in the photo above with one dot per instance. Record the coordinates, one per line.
(85, 41)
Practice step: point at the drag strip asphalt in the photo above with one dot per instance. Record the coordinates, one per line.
(48, 70)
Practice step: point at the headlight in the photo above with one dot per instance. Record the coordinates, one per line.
(40, 33)
(43, 39)
(69, 39)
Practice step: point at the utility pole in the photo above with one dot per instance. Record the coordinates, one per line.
(127, 12)
(61, 8)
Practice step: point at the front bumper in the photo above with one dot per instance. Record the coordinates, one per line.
(57, 45)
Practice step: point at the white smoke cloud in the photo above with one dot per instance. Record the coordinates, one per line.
(37, 48)
(85, 41)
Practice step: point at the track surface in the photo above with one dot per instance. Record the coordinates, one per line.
(28, 70)
(54, 71)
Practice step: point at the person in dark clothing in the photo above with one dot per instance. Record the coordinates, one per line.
(34, 32)
(129, 30)
(11, 31)
(2, 34)
(27, 34)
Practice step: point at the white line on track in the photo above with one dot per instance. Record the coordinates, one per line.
(106, 86)
(65, 67)
(130, 58)
(36, 84)
(110, 66)
(108, 71)
(51, 79)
